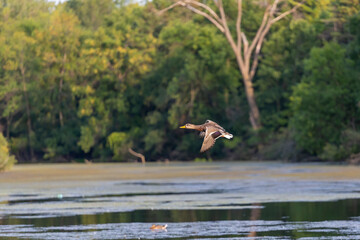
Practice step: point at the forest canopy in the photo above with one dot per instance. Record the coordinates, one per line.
(88, 79)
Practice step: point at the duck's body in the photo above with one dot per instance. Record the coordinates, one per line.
(158, 227)
(211, 131)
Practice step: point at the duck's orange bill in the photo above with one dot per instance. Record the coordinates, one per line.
(183, 126)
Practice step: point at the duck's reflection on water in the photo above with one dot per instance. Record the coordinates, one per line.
(266, 201)
(254, 215)
(267, 220)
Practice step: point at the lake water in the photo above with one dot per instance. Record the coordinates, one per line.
(196, 201)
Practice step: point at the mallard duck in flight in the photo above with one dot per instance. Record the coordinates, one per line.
(210, 131)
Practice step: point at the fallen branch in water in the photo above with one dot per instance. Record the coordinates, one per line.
(139, 155)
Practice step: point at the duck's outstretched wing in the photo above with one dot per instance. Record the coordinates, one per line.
(210, 123)
(211, 134)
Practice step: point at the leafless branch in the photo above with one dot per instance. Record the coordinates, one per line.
(251, 53)
(226, 28)
(273, 7)
(187, 3)
(238, 25)
(139, 155)
(269, 12)
(258, 33)
(211, 19)
(263, 30)
(170, 7)
(284, 14)
(257, 50)
(246, 43)
(212, 12)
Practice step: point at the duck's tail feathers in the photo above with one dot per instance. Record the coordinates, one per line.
(228, 135)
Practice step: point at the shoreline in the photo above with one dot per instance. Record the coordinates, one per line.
(213, 170)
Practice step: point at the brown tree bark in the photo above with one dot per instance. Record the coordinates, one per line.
(61, 82)
(27, 106)
(247, 56)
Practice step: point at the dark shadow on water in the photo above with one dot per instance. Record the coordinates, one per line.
(284, 211)
(147, 183)
(277, 220)
(88, 198)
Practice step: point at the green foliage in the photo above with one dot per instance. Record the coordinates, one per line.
(6, 160)
(281, 68)
(349, 144)
(119, 144)
(91, 12)
(324, 102)
(89, 79)
(202, 160)
(87, 139)
(354, 45)
(281, 145)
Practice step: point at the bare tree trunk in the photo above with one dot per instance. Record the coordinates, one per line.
(27, 106)
(8, 123)
(247, 55)
(61, 117)
(254, 114)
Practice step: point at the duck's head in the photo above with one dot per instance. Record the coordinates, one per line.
(189, 126)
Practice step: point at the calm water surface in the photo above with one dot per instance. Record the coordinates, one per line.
(259, 206)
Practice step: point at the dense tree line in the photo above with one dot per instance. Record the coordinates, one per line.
(90, 79)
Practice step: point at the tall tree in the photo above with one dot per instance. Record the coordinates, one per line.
(247, 54)
(91, 12)
(6, 160)
(19, 20)
(59, 47)
(324, 103)
(17, 63)
(112, 62)
(282, 66)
